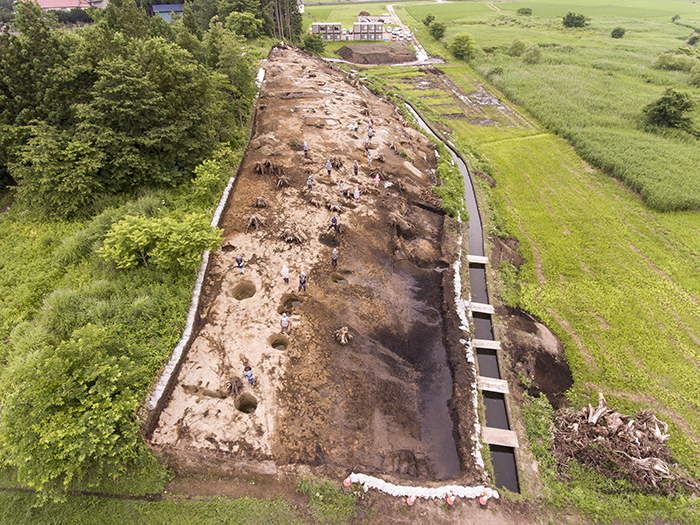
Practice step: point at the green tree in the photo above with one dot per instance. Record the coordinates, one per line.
(238, 66)
(574, 20)
(127, 18)
(190, 23)
(313, 43)
(526, 11)
(68, 411)
(618, 32)
(57, 175)
(428, 19)
(671, 110)
(462, 46)
(245, 24)
(437, 29)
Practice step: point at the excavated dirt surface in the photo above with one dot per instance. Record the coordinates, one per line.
(394, 53)
(395, 402)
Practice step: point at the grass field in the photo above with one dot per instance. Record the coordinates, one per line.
(591, 88)
(618, 282)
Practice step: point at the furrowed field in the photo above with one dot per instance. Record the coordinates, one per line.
(616, 280)
(591, 88)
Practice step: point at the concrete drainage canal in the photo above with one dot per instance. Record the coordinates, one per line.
(497, 431)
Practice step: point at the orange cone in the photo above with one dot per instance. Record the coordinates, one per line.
(347, 482)
(411, 500)
(451, 499)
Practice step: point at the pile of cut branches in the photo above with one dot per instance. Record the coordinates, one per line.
(619, 446)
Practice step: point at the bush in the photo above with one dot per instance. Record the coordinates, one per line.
(69, 410)
(169, 243)
(517, 48)
(428, 19)
(462, 46)
(437, 29)
(693, 40)
(313, 44)
(525, 11)
(695, 76)
(574, 20)
(618, 32)
(532, 54)
(674, 62)
(670, 111)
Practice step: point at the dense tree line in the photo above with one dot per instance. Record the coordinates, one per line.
(126, 103)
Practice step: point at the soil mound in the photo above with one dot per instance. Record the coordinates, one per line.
(376, 53)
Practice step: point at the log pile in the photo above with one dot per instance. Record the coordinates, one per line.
(619, 447)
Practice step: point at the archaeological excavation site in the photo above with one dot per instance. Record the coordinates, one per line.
(375, 378)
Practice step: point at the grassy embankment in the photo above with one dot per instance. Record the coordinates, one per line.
(617, 281)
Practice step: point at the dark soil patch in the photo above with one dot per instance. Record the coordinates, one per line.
(393, 53)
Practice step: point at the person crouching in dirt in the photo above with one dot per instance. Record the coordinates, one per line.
(334, 224)
(334, 258)
(249, 375)
(285, 325)
(302, 282)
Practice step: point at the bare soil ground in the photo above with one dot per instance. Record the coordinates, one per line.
(393, 53)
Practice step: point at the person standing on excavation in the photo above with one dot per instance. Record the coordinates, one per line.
(355, 167)
(239, 263)
(285, 324)
(334, 258)
(302, 282)
(328, 167)
(308, 182)
(334, 224)
(306, 149)
(285, 273)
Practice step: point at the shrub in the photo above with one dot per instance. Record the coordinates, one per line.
(525, 11)
(437, 29)
(574, 20)
(674, 62)
(428, 19)
(670, 111)
(169, 243)
(313, 44)
(693, 40)
(517, 48)
(695, 76)
(462, 46)
(532, 54)
(618, 32)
